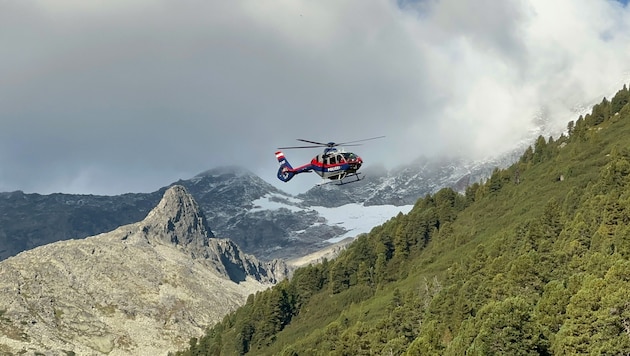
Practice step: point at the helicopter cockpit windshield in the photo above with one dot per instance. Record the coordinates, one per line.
(349, 156)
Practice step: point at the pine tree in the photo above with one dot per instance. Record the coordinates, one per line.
(506, 328)
(540, 150)
(339, 278)
(570, 127)
(550, 311)
(620, 100)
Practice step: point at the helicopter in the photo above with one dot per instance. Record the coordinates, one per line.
(334, 164)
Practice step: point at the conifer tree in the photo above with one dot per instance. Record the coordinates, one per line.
(620, 100)
(506, 328)
(570, 127)
(540, 150)
(550, 311)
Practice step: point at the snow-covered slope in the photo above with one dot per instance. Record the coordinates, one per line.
(353, 218)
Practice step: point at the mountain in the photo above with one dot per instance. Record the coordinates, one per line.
(225, 194)
(533, 261)
(143, 288)
(235, 201)
(405, 184)
(231, 198)
(31, 220)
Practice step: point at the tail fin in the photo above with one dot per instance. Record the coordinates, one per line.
(285, 171)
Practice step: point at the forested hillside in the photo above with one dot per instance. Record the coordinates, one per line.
(535, 260)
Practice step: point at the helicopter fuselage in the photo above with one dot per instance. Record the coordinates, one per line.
(333, 165)
(336, 165)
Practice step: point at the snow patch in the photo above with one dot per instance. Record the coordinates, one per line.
(275, 201)
(359, 219)
(355, 218)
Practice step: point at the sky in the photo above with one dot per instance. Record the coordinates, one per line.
(116, 96)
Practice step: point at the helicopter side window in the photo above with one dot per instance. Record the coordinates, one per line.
(340, 159)
(333, 159)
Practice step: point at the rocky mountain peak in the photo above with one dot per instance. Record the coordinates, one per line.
(140, 289)
(178, 219)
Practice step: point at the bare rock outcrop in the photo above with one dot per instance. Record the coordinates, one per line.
(142, 289)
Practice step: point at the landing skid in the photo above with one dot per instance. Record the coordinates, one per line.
(342, 181)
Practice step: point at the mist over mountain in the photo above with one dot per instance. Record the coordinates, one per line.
(403, 185)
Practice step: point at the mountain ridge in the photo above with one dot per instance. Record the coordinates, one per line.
(225, 194)
(141, 288)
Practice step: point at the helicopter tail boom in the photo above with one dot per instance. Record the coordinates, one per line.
(285, 172)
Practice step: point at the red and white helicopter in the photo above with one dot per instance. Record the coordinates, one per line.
(333, 164)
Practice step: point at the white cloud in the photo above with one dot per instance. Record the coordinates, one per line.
(153, 90)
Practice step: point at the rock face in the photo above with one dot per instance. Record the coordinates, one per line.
(142, 289)
(228, 195)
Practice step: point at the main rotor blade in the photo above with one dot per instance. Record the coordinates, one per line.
(365, 139)
(329, 144)
(314, 142)
(292, 147)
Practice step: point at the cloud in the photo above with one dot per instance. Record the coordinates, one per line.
(114, 96)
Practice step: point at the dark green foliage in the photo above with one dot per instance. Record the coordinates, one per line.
(534, 261)
(598, 316)
(307, 281)
(620, 100)
(570, 127)
(506, 328)
(542, 150)
(339, 278)
(600, 113)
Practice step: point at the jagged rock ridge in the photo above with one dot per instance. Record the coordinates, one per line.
(227, 196)
(143, 288)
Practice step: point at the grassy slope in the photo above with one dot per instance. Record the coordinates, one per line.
(480, 249)
(485, 222)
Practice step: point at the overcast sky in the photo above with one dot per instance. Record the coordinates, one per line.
(115, 96)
